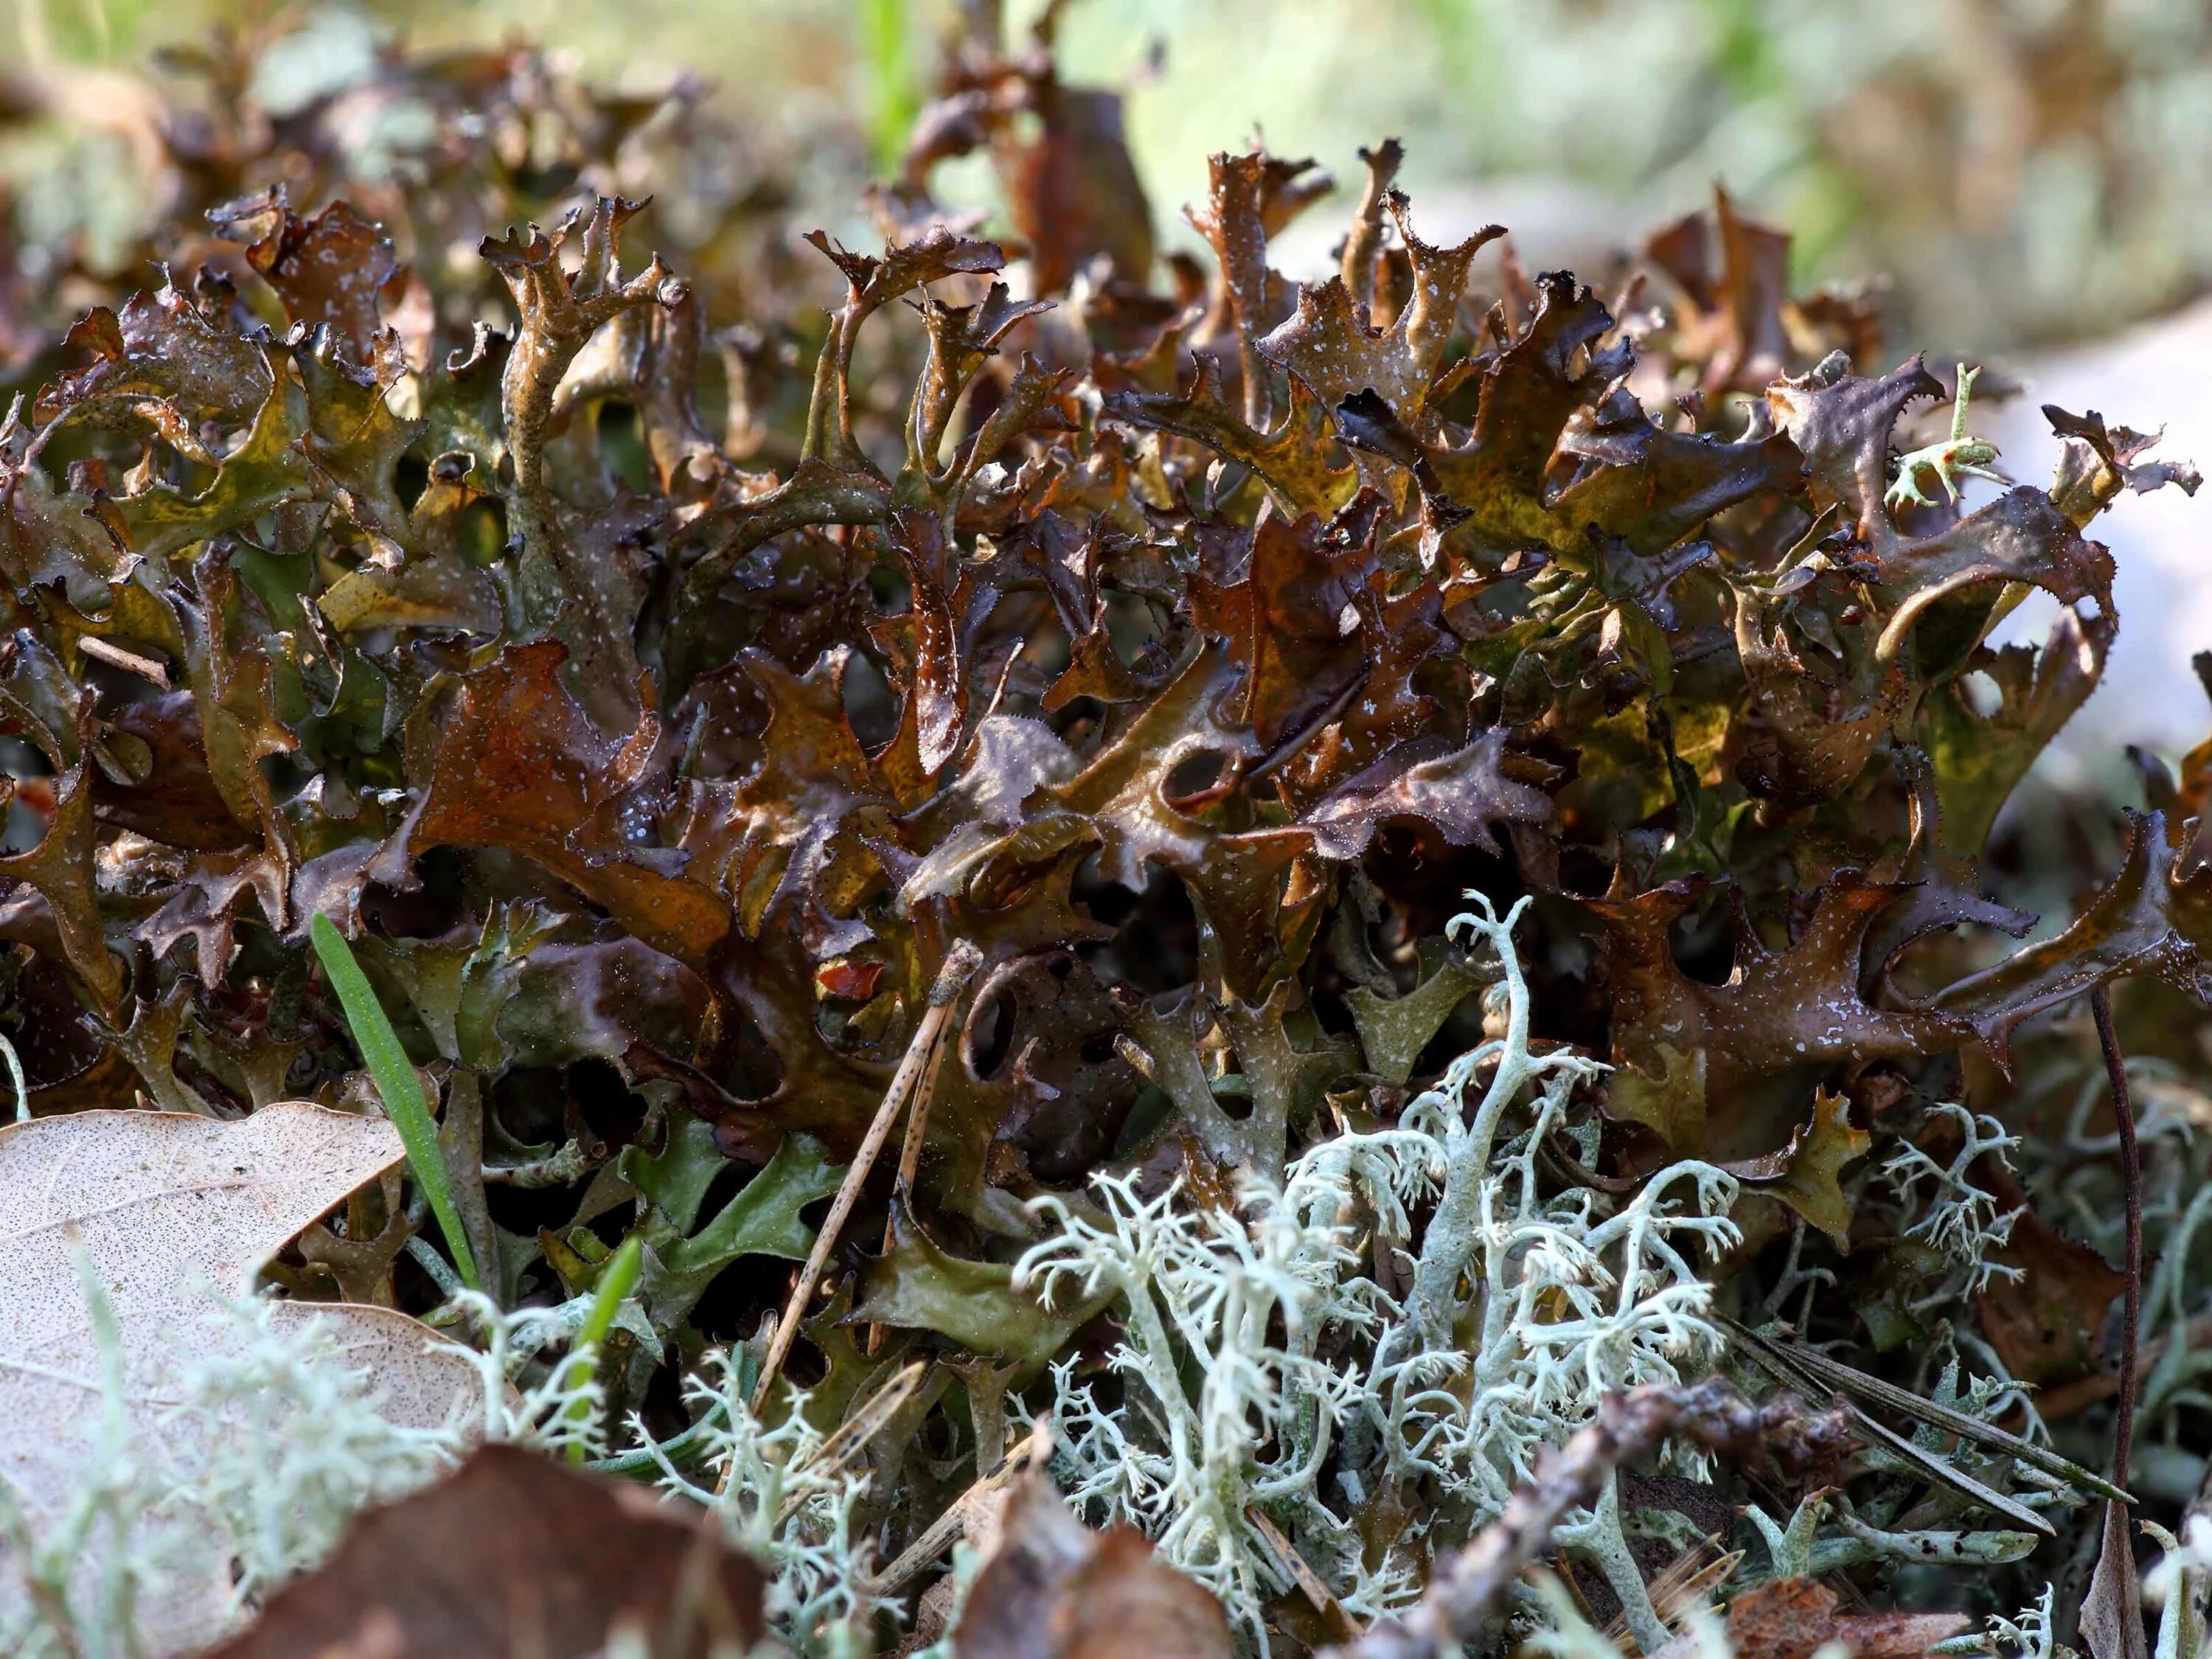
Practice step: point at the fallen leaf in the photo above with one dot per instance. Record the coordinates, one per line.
(1792, 1618)
(2112, 1616)
(513, 1554)
(2044, 1324)
(1052, 1588)
(166, 1206)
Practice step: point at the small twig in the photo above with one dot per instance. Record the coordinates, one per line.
(856, 1431)
(129, 661)
(917, 1124)
(2124, 1116)
(1465, 1594)
(1684, 1594)
(1798, 1365)
(569, 1163)
(940, 1533)
(1318, 1596)
(959, 966)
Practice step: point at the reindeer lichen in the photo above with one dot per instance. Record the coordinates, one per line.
(798, 1513)
(1252, 1339)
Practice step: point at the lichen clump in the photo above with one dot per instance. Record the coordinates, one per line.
(657, 671)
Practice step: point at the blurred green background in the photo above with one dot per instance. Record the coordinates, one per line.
(2024, 171)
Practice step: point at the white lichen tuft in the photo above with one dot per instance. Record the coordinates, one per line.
(1202, 1285)
(235, 1478)
(2028, 1636)
(798, 1512)
(55, 1609)
(279, 1498)
(1958, 1220)
(565, 1407)
(272, 1441)
(2178, 1586)
(1256, 1342)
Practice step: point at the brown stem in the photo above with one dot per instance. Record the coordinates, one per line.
(1464, 1595)
(2124, 1114)
(959, 967)
(917, 1125)
(938, 1536)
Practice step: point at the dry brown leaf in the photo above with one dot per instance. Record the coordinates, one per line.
(166, 1207)
(2044, 1323)
(2112, 1616)
(1052, 1588)
(1792, 1618)
(513, 1554)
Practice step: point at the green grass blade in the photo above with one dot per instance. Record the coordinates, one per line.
(894, 92)
(396, 1082)
(684, 1451)
(617, 1280)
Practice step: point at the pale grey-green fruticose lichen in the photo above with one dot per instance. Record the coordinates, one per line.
(2178, 1586)
(796, 1510)
(1959, 1221)
(1567, 1632)
(2028, 1636)
(2072, 1169)
(273, 1501)
(54, 1608)
(280, 1498)
(231, 1483)
(2177, 1204)
(1258, 1343)
(1882, 1527)
(564, 1407)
